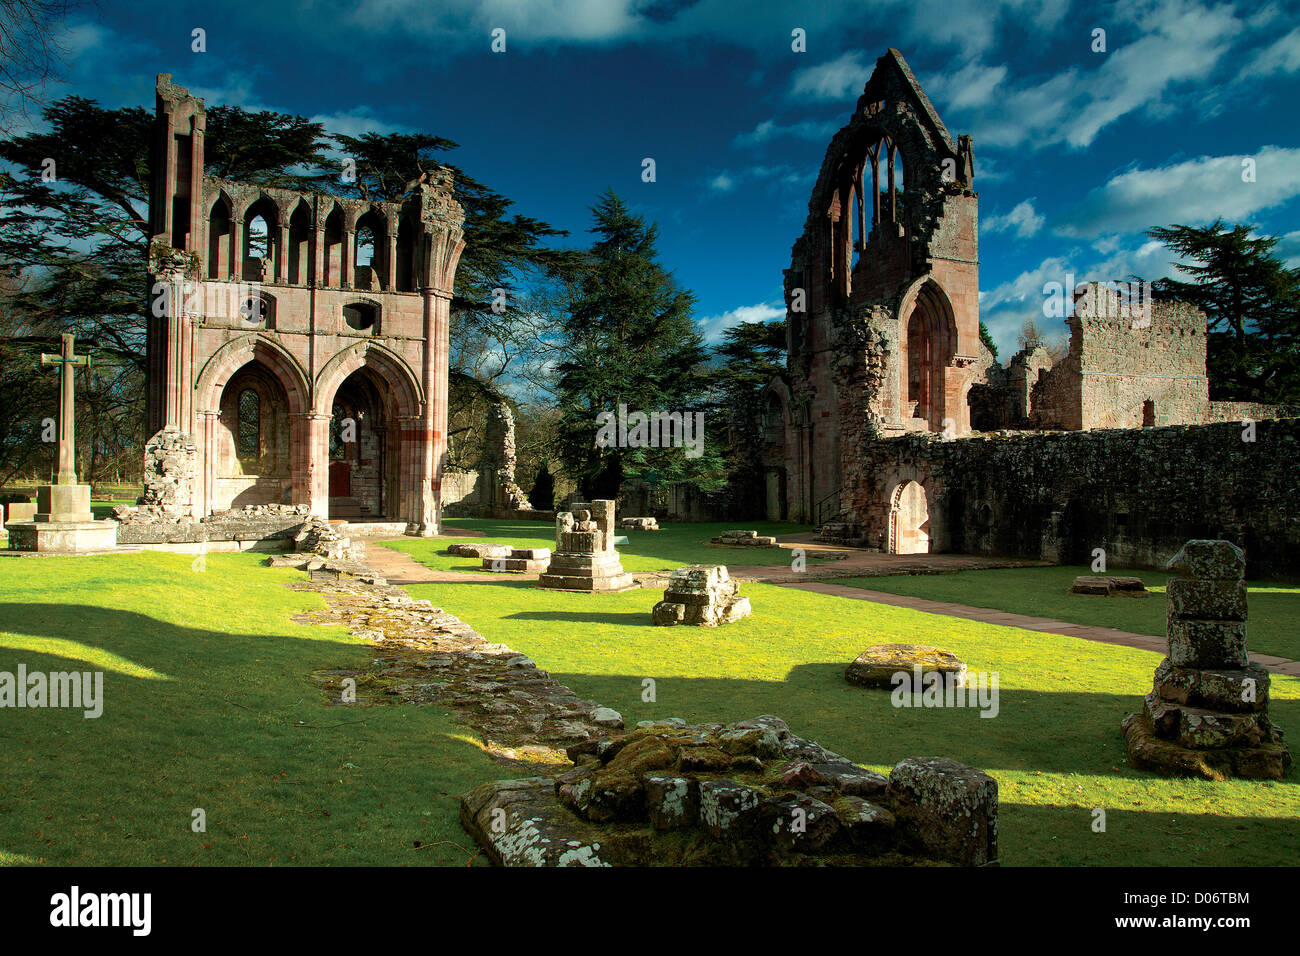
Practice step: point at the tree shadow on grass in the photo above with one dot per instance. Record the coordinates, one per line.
(1049, 732)
(1064, 836)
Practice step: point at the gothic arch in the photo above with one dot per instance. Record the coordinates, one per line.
(390, 366)
(237, 353)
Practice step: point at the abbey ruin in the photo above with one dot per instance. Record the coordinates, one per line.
(298, 342)
(894, 427)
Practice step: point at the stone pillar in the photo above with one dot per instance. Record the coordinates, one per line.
(345, 258)
(209, 422)
(314, 484)
(390, 263)
(317, 255)
(282, 255)
(194, 241)
(236, 247)
(437, 316)
(176, 395)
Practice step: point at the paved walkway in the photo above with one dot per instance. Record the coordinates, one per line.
(1106, 635)
(401, 568)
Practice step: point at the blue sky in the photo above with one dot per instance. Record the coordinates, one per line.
(1076, 151)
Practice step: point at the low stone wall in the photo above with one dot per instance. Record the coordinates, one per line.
(460, 494)
(1136, 493)
(266, 523)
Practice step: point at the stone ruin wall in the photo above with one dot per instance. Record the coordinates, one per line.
(1137, 493)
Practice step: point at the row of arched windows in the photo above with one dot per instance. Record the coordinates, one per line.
(359, 259)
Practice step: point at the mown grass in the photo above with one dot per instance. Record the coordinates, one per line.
(672, 546)
(208, 705)
(1043, 592)
(1055, 747)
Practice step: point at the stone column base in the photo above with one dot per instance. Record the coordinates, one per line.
(68, 537)
(63, 503)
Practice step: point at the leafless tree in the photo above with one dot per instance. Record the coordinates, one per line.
(29, 52)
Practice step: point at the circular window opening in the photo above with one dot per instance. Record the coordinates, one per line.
(360, 316)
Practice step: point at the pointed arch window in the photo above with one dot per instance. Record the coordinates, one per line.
(249, 434)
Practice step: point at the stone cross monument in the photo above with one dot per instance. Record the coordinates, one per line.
(68, 361)
(63, 519)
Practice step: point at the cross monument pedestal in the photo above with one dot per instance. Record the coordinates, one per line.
(63, 520)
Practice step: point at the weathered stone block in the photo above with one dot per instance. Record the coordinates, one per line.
(728, 810)
(1218, 560)
(868, 827)
(1108, 585)
(1206, 599)
(950, 809)
(672, 802)
(1200, 729)
(666, 614)
(1230, 690)
(519, 824)
(798, 823)
(876, 666)
(1202, 643)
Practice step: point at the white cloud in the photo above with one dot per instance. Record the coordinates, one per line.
(1288, 248)
(771, 129)
(1282, 56)
(971, 86)
(722, 183)
(1179, 42)
(1022, 220)
(838, 79)
(713, 326)
(1196, 191)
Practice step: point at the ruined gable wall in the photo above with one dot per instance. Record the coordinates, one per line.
(1137, 493)
(1125, 363)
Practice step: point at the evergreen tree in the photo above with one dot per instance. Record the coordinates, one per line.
(628, 339)
(750, 355)
(1252, 306)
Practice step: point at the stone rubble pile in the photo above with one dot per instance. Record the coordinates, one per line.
(701, 594)
(479, 550)
(1207, 714)
(747, 793)
(423, 655)
(1108, 585)
(639, 524)
(750, 539)
(519, 559)
(317, 536)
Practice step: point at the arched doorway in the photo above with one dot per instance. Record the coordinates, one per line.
(909, 520)
(929, 343)
(364, 449)
(251, 449)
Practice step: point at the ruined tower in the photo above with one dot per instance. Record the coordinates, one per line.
(882, 296)
(298, 341)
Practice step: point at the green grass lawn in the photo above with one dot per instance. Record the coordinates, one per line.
(672, 546)
(206, 681)
(1042, 592)
(209, 705)
(1055, 746)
